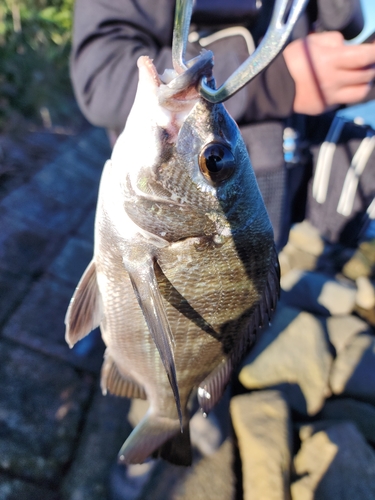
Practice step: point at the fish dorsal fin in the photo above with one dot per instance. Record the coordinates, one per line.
(262, 312)
(118, 384)
(212, 387)
(146, 289)
(85, 308)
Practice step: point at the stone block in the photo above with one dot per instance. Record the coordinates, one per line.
(262, 425)
(39, 324)
(25, 247)
(318, 293)
(353, 371)
(292, 353)
(86, 229)
(105, 429)
(72, 261)
(342, 329)
(306, 237)
(335, 463)
(34, 205)
(358, 412)
(12, 289)
(209, 477)
(42, 404)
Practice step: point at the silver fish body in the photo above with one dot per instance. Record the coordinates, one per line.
(184, 268)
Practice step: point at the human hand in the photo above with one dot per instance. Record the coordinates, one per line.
(327, 72)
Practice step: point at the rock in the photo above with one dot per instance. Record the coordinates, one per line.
(341, 329)
(367, 314)
(292, 353)
(335, 463)
(284, 263)
(317, 293)
(102, 436)
(138, 408)
(362, 262)
(262, 426)
(365, 296)
(209, 477)
(298, 259)
(42, 403)
(353, 371)
(362, 414)
(306, 237)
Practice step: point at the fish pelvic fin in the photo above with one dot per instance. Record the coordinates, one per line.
(118, 384)
(146, 289)
(158, 437)
(213, 386)
(85, 309)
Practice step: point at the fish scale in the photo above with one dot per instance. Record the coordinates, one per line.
(184, 269)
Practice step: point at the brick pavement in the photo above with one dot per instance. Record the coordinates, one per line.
(59, 437)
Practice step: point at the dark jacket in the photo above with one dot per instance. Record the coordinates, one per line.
(110, 35)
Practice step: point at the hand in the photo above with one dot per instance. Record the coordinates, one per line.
(327, 72)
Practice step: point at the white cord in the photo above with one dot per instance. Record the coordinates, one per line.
(324, 161)
(357, 166)
(371, 210)
(225, 33)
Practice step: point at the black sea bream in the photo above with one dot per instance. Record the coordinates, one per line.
(184, 268)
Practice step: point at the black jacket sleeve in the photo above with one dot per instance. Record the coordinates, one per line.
(110, 35)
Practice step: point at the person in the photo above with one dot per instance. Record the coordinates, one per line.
(315, 73)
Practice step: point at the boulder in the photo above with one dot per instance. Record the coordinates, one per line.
(262, 425)
(306, 237)
(353, 371)
(341, 329)
(292, 354)
(335, 463)
(317, 293)
(209, 477)
(365, 296)
(361, 414)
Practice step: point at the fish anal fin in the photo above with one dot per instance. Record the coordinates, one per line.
(146, 439)
(213, 386)
(118, 384)
(85, 309)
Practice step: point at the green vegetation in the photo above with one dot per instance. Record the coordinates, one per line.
(35, 42)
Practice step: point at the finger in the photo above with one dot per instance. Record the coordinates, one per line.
(355, 77)
(353, 94)
(356, 56)
(327, 39)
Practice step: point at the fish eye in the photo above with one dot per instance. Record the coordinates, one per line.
(216, 162)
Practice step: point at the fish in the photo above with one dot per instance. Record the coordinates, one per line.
(184, 271)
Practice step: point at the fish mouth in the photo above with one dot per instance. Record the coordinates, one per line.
(178, 92)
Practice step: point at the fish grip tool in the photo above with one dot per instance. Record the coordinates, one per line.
(282, 22)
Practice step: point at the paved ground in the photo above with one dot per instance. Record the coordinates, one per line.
(59, 436)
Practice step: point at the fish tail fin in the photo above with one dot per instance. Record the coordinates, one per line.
(177, 449)
(157, 436)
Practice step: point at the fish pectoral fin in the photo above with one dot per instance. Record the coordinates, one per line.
(159, 436)
(117, 383)
(213, 386)
(85, 309)
(145, 285)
